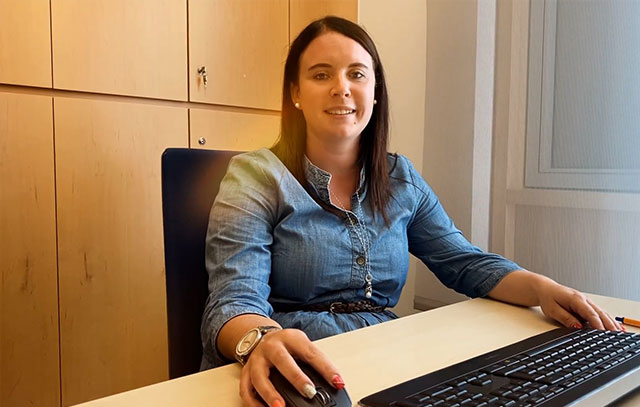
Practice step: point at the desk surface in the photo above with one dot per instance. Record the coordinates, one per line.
(380, 356)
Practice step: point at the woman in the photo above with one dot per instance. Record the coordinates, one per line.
(313, 235)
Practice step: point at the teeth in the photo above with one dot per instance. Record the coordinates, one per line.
(342, 111)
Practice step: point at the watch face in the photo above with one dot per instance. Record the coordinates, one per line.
(247, 341)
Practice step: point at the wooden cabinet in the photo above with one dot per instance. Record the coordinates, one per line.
(82, 268)
(302, 12)
(242, 45)
(227, 130)
(29, 367)
(110, 247)
(25, 48)
(136, 48)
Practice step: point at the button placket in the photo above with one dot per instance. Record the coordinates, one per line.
(359, 262)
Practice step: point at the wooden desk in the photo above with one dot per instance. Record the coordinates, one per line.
(377, 357)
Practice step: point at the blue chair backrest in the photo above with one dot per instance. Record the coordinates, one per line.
(190, 182)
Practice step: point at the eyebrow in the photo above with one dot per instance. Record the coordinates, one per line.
(326, 65)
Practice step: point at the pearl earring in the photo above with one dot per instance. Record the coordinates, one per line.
(375, 102)
(297, 105)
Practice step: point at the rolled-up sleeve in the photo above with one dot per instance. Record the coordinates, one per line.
(238, 250)
(435, 240)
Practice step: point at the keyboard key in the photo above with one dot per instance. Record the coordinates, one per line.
(481, 382)
(525, 376)
(500, 392)
(510, 361)
(504, 402)
(435, 391)
(536, 399)
(512, 387)
(493, 368)
(555, 389)
(475, 396)
(457, 383)
(518, 395)
(553, 379)
(509, 370)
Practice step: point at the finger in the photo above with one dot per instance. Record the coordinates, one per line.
(588, 313)
(557, 312)
(277, 350)
(292, 372)
(283, 359)
(247, 394)
(259, 376)
(607, 320)
(306, 351)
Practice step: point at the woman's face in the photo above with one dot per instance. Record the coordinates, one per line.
(335, 88)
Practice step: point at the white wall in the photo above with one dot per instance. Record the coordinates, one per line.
(457, 146)
(399, 30)
(584, 239)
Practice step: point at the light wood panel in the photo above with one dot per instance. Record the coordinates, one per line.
(243, 45)
(25, 48)
(305, 11)
(29, 360)
(112, 285)
(136, 48)
(225, 130)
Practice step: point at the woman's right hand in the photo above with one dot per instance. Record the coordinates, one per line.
(279, 349)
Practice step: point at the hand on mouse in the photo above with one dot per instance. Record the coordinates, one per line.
(278, 349)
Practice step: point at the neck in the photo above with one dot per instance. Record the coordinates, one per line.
(339, 159)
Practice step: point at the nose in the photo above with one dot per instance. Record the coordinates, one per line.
(340, 87)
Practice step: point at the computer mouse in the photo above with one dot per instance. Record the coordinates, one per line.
(326, 394)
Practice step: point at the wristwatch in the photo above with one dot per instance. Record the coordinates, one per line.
(250, 340)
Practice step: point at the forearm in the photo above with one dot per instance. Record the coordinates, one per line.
(520, 287)
(233, 330)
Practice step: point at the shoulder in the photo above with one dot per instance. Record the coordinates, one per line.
(260, 165)
(262, 158)
(405, 177)
(400, 167)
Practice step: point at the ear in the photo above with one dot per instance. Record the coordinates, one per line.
(294, 90)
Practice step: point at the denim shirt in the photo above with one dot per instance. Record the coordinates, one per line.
(270, 244)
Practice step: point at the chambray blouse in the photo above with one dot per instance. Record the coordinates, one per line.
(271, 245)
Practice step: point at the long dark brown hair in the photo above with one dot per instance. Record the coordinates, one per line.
(291, 145)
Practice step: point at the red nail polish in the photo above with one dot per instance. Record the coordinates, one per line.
(577, 325)
(337, 381)
(277, 403)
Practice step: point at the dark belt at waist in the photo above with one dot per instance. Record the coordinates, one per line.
(334, 307)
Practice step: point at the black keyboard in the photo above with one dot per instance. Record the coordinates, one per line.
(556, 368)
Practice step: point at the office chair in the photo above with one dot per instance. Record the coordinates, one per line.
(190, 182)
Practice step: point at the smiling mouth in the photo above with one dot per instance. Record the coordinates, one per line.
(340, 112)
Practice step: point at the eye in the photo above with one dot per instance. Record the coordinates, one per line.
(357, 75)
(320, 76)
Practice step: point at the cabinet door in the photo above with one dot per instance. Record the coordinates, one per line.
(25, 49)
(136, 48)
(29, 367)
(242, 44)
(225, 130)
(112, 287)
(305, 11)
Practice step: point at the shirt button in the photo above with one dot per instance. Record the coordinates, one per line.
(360, 260)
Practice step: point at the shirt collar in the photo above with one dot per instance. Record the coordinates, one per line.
(318, 179)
